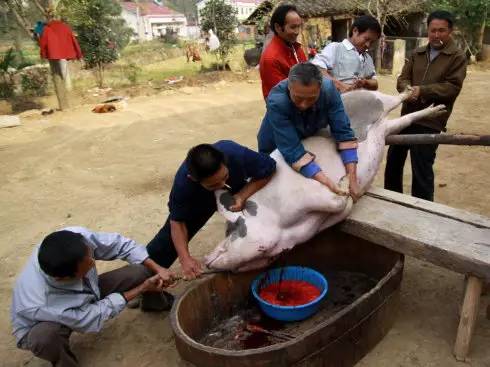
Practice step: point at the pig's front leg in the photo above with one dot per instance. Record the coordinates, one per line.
(321, 199)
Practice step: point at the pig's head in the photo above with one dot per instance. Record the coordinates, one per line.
(250, 235)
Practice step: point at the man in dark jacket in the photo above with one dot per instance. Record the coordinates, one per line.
(436, 73)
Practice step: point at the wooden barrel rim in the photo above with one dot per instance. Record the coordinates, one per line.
(398, 267)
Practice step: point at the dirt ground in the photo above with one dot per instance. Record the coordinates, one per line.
(113, 172)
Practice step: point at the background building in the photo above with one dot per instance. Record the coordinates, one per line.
(150, 20)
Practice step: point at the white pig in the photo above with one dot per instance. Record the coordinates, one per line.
(291, 209)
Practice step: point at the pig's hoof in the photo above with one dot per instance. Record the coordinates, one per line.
(344, 184)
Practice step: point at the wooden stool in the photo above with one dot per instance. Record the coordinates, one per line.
(451, 238)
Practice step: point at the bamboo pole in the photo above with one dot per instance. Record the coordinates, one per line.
(449, 139)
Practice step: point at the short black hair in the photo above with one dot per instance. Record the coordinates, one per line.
(61, 252)
(279, 15)
(365, 23)
(305, 73)
(442, 15)
(203, 161)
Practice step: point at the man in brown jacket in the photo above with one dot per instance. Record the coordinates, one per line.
(436, 73)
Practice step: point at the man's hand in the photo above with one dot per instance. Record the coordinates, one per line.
(167, 276)
(359, 84)
(343, 87)
(415, 94)
(354, 189)
(191, 268)
(153, 284)
(239, 203)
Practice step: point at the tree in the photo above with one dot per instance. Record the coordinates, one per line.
(222, 19)
(101, 31)
(186, 7)
(384, 9)
(25, 12)
(472, 16)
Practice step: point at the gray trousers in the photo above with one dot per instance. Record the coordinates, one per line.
(50, 340)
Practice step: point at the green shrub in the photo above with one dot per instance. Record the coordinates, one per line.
(6, 90)
(7, 84)
(34, 81)
(132, 72)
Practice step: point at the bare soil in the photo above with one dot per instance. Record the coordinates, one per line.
(113, 172)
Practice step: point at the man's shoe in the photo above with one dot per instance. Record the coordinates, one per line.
(152, 301)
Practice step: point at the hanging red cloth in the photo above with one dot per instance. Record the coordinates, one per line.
(57, 42)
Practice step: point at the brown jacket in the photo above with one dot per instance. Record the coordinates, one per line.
(440, 81)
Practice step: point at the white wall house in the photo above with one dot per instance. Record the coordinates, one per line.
(244, 7)
(149, 20)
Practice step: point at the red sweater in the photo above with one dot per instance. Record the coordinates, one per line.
(275, 62)
(58, 42)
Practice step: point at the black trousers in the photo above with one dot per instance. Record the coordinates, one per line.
(422, 158)
(161, 248)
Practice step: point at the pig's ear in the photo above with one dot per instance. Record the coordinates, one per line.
(224, 199)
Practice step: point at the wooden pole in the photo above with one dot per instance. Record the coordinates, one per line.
(59, 84)
(449, 139)
(467, 321)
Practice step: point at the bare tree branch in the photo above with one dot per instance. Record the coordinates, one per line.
(20, 20)
(40, 7)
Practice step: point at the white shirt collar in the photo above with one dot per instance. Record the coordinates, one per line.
(347, 44)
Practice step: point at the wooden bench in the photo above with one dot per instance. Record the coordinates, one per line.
(451, 238)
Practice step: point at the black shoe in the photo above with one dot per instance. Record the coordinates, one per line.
(152, 301)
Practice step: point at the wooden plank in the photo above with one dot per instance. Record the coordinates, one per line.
(468, 318)
(430, 207)
(427, 231)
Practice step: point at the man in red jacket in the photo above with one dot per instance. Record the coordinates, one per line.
(57, 42)
(283, 51)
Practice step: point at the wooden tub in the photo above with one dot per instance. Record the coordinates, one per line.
(340, 339)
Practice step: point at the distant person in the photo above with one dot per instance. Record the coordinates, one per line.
(212, 41)
(312, 50)
(283, 50)
(299, 107)
(192, 202)
(348, 63)
(59, 290)
(436, 73)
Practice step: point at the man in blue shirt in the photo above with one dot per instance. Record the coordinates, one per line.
(192, 202)
(296, 109)
(59, 290)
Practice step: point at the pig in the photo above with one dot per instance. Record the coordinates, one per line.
(291, 209)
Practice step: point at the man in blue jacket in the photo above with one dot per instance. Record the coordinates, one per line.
(296, 109)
